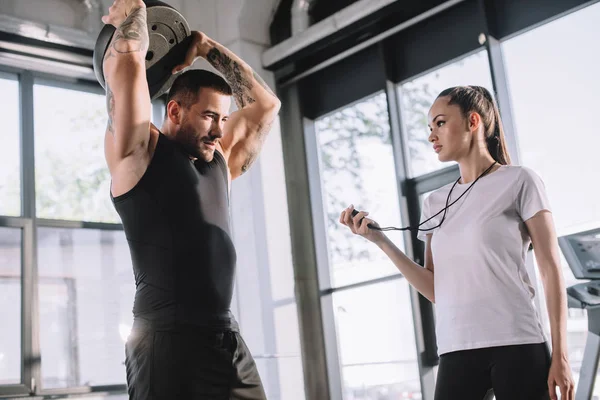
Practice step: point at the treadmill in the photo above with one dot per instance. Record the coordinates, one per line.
(582, 252)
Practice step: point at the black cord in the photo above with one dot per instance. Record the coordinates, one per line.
(444, 210)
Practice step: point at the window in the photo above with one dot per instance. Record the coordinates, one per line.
(373, 319)
(10, 305)
(376, 341)
(265, 306)
(356, 164)
(281, 376)
(86, 292)
(418, 95)
(10, 182)
(555, 100)
(264, 301)
(158, 112)
(85, 288)
(72, 179)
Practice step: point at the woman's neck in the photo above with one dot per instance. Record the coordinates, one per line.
(472, 167)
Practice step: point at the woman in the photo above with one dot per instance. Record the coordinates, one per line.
(488, 331)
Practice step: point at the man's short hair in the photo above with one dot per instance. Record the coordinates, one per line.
(186, 87)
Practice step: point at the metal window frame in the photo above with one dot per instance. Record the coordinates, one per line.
(311, 314)
(78, 390)
(321, 241)
(357, 285)
(421, 307)
(321, 246)
(25, 226)
(8, 76)
(28, 223)
(68, 84)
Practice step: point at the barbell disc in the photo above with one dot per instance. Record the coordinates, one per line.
(169, 38)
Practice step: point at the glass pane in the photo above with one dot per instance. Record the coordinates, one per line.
(418, 95)
(376, 339)
(356, 163)
(281, 377)
(71, 177)
(554, 87)
(86, 291)
(10, 306)
(10, 159)
(268, 316)
(158, 112)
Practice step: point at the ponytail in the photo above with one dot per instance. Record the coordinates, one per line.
(479, 99)
(496, 142)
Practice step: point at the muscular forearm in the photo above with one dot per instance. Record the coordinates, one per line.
(130, 38)
(124, 57)
(421, 278)
(556, 302)
(247, 86)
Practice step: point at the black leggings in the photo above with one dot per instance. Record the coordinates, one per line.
(514, 372)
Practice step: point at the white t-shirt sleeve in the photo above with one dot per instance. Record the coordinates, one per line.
(531, 194)
(426, 214)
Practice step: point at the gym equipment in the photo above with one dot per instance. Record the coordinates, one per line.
(170, 37)
(582, 252)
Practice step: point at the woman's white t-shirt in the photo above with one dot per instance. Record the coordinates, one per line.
(483, 293)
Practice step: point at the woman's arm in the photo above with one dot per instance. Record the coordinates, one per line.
(419, 277)
(545, 244)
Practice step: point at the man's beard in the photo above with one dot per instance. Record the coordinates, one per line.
(190, 143)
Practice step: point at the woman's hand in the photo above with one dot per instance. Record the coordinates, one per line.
(560, 375)
(358, 225)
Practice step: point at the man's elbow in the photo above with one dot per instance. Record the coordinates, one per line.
(265, 111)
(270, 105)
(276, 105)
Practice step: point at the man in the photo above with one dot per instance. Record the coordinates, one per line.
(171, 189)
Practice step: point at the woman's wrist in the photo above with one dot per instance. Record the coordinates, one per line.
(381, 240)
(560, 352)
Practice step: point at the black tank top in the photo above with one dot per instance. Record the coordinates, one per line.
(176, 220)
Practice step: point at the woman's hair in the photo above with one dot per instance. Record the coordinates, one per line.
(478, 99)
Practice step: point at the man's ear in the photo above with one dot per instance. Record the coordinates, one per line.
(174, 112)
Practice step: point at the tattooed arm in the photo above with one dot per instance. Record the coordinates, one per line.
(127, 96)
(247, 128)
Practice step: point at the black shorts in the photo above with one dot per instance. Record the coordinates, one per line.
(518, 372)
(190, 364)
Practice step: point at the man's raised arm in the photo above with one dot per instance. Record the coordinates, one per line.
(127, 96)
(246, 129)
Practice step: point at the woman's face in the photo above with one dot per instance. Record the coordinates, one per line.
(450, 132)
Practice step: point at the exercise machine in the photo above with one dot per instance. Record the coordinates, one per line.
(582, 252)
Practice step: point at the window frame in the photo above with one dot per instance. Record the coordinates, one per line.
(12, 76)
(28, 222)
(326, 289)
